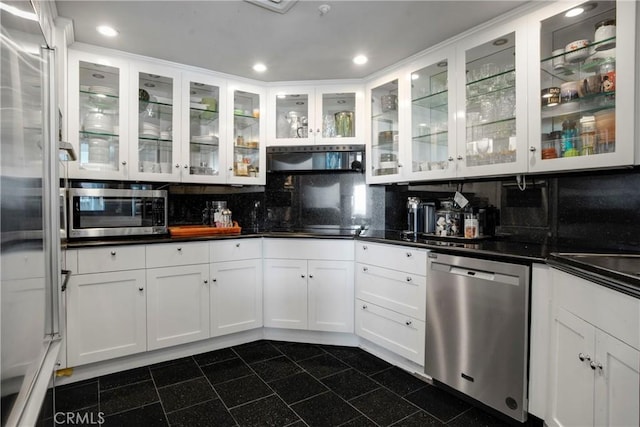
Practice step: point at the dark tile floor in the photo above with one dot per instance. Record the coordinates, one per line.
(265, 383)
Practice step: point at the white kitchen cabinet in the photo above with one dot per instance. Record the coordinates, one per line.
(594, 377)
(111, 258)
(330, 296)
(236, 285)
(177, 305)
(308, 284)
(390, 291)
(106, 316)
(246, 162)
(492, 82)
(432, 150)
(205, 119)
(98, 110)
(316, 115)
(594, 358)
(385, 137)
(586, 125)
(155, 125)
(285, 293)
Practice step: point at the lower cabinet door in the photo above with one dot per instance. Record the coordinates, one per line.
(236, 296)
(106, 316)
(330, 299)
(394, 331)
(571, 375)
(177, 305)
(285, 293)
(617, 382)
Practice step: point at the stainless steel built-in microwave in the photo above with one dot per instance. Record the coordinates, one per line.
(100, 212)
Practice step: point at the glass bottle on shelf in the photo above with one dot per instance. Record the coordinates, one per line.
(99, 115)
(246, 134)
(155, 118)
(338, 115)
(204, 129)
(578, 56)
(491, 103)
(384, 129)
(430, 118)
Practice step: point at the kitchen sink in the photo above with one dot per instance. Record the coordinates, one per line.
(628, 264)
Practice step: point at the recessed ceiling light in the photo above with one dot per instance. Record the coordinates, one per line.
(106, 30)
(259, 67)
(415, 76)
(360, 60)
(500, 42)
(281, 96)
(442, 64)
(574, 12)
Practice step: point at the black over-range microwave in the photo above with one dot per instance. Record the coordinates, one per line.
(101, 212)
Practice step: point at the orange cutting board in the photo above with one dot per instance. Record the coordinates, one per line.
(203, 230)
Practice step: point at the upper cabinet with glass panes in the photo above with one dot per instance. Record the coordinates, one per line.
(583, 85)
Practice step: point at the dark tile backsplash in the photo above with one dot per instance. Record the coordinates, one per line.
(590, 211)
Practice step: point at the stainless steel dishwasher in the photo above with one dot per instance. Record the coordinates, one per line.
(477, 329)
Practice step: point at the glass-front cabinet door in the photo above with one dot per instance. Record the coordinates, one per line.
(246, 159)
(432, 124)
(383, 158)
(492, 138)
(97, 116)
(338, 118)
(204, 140)
(155, 130)
(586, 86)
(291, 116)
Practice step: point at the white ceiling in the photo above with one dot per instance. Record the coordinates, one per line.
(231, 35)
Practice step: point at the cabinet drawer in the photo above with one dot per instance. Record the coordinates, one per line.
(401, 292)
(613, 312)
(172, 254)
(410, 260)
(338, 249)
(400, 334)
(113, 258)
(235, 250)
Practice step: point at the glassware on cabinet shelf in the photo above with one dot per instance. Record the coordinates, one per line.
(338, 115)
(430, 117)
(204, 129)
(384, 126)
(578, 56)
(491, 103)
(155, 119)
(99, 115)
(246, 134)
(291, 111)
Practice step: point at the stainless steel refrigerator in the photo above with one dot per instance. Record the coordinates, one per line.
(29, 215)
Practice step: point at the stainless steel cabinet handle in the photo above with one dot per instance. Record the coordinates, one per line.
(67, 276)
(302, 275)
(399, 165)
(141, 289)
(311, 276)
(408, 323)
(124, 163)
(584, 357)
(179, 249)
(214, 280)
(177, 165)
(450, 159)
(409, 254)
(113, 253)
(237, 245)
(408, 279)
(460, 157)
(186, 166)
(206, 281)
(364, 247)
(365, 268)
(231, 169)
(532, 149)
(595, 365)
(364, 306)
